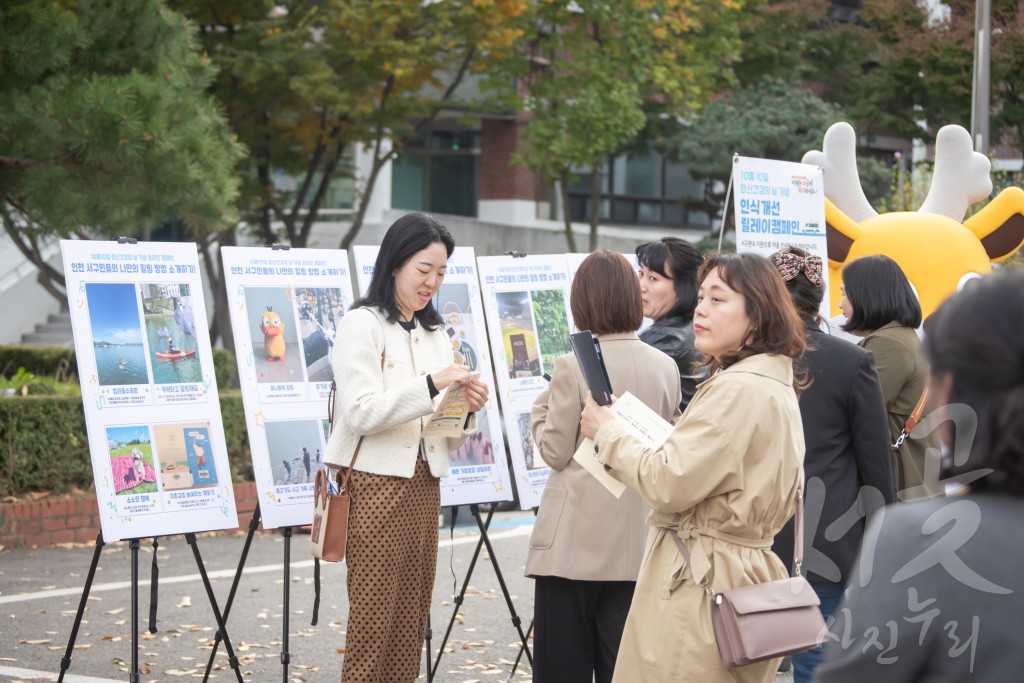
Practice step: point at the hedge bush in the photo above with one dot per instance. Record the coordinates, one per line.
(59, 362)
(43, 444)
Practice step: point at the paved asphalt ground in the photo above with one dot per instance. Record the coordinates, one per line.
(40, 590)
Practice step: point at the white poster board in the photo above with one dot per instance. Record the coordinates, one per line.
(479, 469)
(152, 411)
(285, 308)
(528, 321)
(778, 204)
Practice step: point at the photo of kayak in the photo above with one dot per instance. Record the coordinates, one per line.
(177, 355)
(171, 333)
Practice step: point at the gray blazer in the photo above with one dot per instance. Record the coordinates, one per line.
(936, 596)
(582, 531)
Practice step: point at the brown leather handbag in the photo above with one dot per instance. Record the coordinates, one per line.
(766, 620)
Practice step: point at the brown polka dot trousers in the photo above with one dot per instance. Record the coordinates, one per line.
(392, 559)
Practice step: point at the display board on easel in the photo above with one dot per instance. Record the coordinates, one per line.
(526, 300)
(479, 469)
(286, 305)
(152, 410)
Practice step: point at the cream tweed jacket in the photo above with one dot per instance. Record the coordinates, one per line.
(388, 405)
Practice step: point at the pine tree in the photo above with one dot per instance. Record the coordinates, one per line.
(105, 125)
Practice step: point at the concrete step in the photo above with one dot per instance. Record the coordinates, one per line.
(48, 338)
(62, 318)
(53, 328)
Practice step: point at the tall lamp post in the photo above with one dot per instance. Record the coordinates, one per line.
(980, 88)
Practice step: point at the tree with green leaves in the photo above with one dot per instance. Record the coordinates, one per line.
(595, 69)
(304, 83)
(771, 120)
(106, 127)
(925, 67)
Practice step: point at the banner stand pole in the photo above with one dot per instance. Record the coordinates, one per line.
(725, 206)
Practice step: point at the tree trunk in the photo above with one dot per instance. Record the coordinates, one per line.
(563, 181)
(357, 219)
(595, 202)
(220, 326)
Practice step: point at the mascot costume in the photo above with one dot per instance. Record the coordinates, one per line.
(937, 249)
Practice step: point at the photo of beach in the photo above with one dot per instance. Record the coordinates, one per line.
(116, 334)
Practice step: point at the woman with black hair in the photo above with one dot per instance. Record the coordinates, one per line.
(938, 592)
(395, 362)
(880, 305)
(668, 290)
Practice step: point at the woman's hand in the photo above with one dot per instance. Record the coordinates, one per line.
(453, 374)
(593, 417)
(476, 394)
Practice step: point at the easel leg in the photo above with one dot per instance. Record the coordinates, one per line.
(133, 676)
(522, 649)
(430, 673)
(232, 660)
(516, 621)
(254, 524)
(462, 594)
(65, 662)
(285, 656)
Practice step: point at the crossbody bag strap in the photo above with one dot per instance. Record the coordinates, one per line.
(915, 417)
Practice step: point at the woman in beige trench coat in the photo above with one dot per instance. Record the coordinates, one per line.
(725, 480)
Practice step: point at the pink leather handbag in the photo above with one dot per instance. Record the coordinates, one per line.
(766, 620)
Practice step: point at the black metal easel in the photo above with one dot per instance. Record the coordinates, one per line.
(516, 621)
(133, 544)
(254, 524)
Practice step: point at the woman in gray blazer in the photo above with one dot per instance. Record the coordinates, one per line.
(938, 591)
(587, 545)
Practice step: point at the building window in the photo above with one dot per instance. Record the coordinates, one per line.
(644, 190)
(438, 171)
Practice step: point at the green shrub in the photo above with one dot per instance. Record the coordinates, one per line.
(41, 361)
(44, 447)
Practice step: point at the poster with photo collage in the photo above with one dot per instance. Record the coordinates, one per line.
(152, 411)
(526, 301)
(478, 470)
(286, 305)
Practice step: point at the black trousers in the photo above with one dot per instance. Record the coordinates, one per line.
(577, 628)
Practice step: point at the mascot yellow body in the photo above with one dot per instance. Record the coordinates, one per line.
(937, 249)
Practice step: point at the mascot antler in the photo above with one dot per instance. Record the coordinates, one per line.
(838, 163)
(961, 175)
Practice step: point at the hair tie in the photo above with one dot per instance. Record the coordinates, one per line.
(790, 265)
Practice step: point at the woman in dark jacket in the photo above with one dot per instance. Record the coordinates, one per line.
(848, 459)
(668, 288)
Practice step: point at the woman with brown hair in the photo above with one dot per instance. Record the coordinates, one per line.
(723, 483)
(587, 544)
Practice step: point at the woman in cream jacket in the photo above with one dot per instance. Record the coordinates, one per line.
(391, 361)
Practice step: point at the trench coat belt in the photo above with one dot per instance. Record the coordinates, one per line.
(700, 563)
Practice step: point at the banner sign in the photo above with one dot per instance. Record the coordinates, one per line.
(479, 469)
(149, 391)
(285, 308)
(526, 300)
(780, 204)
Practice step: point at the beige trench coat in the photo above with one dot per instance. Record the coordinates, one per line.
(726, 479)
